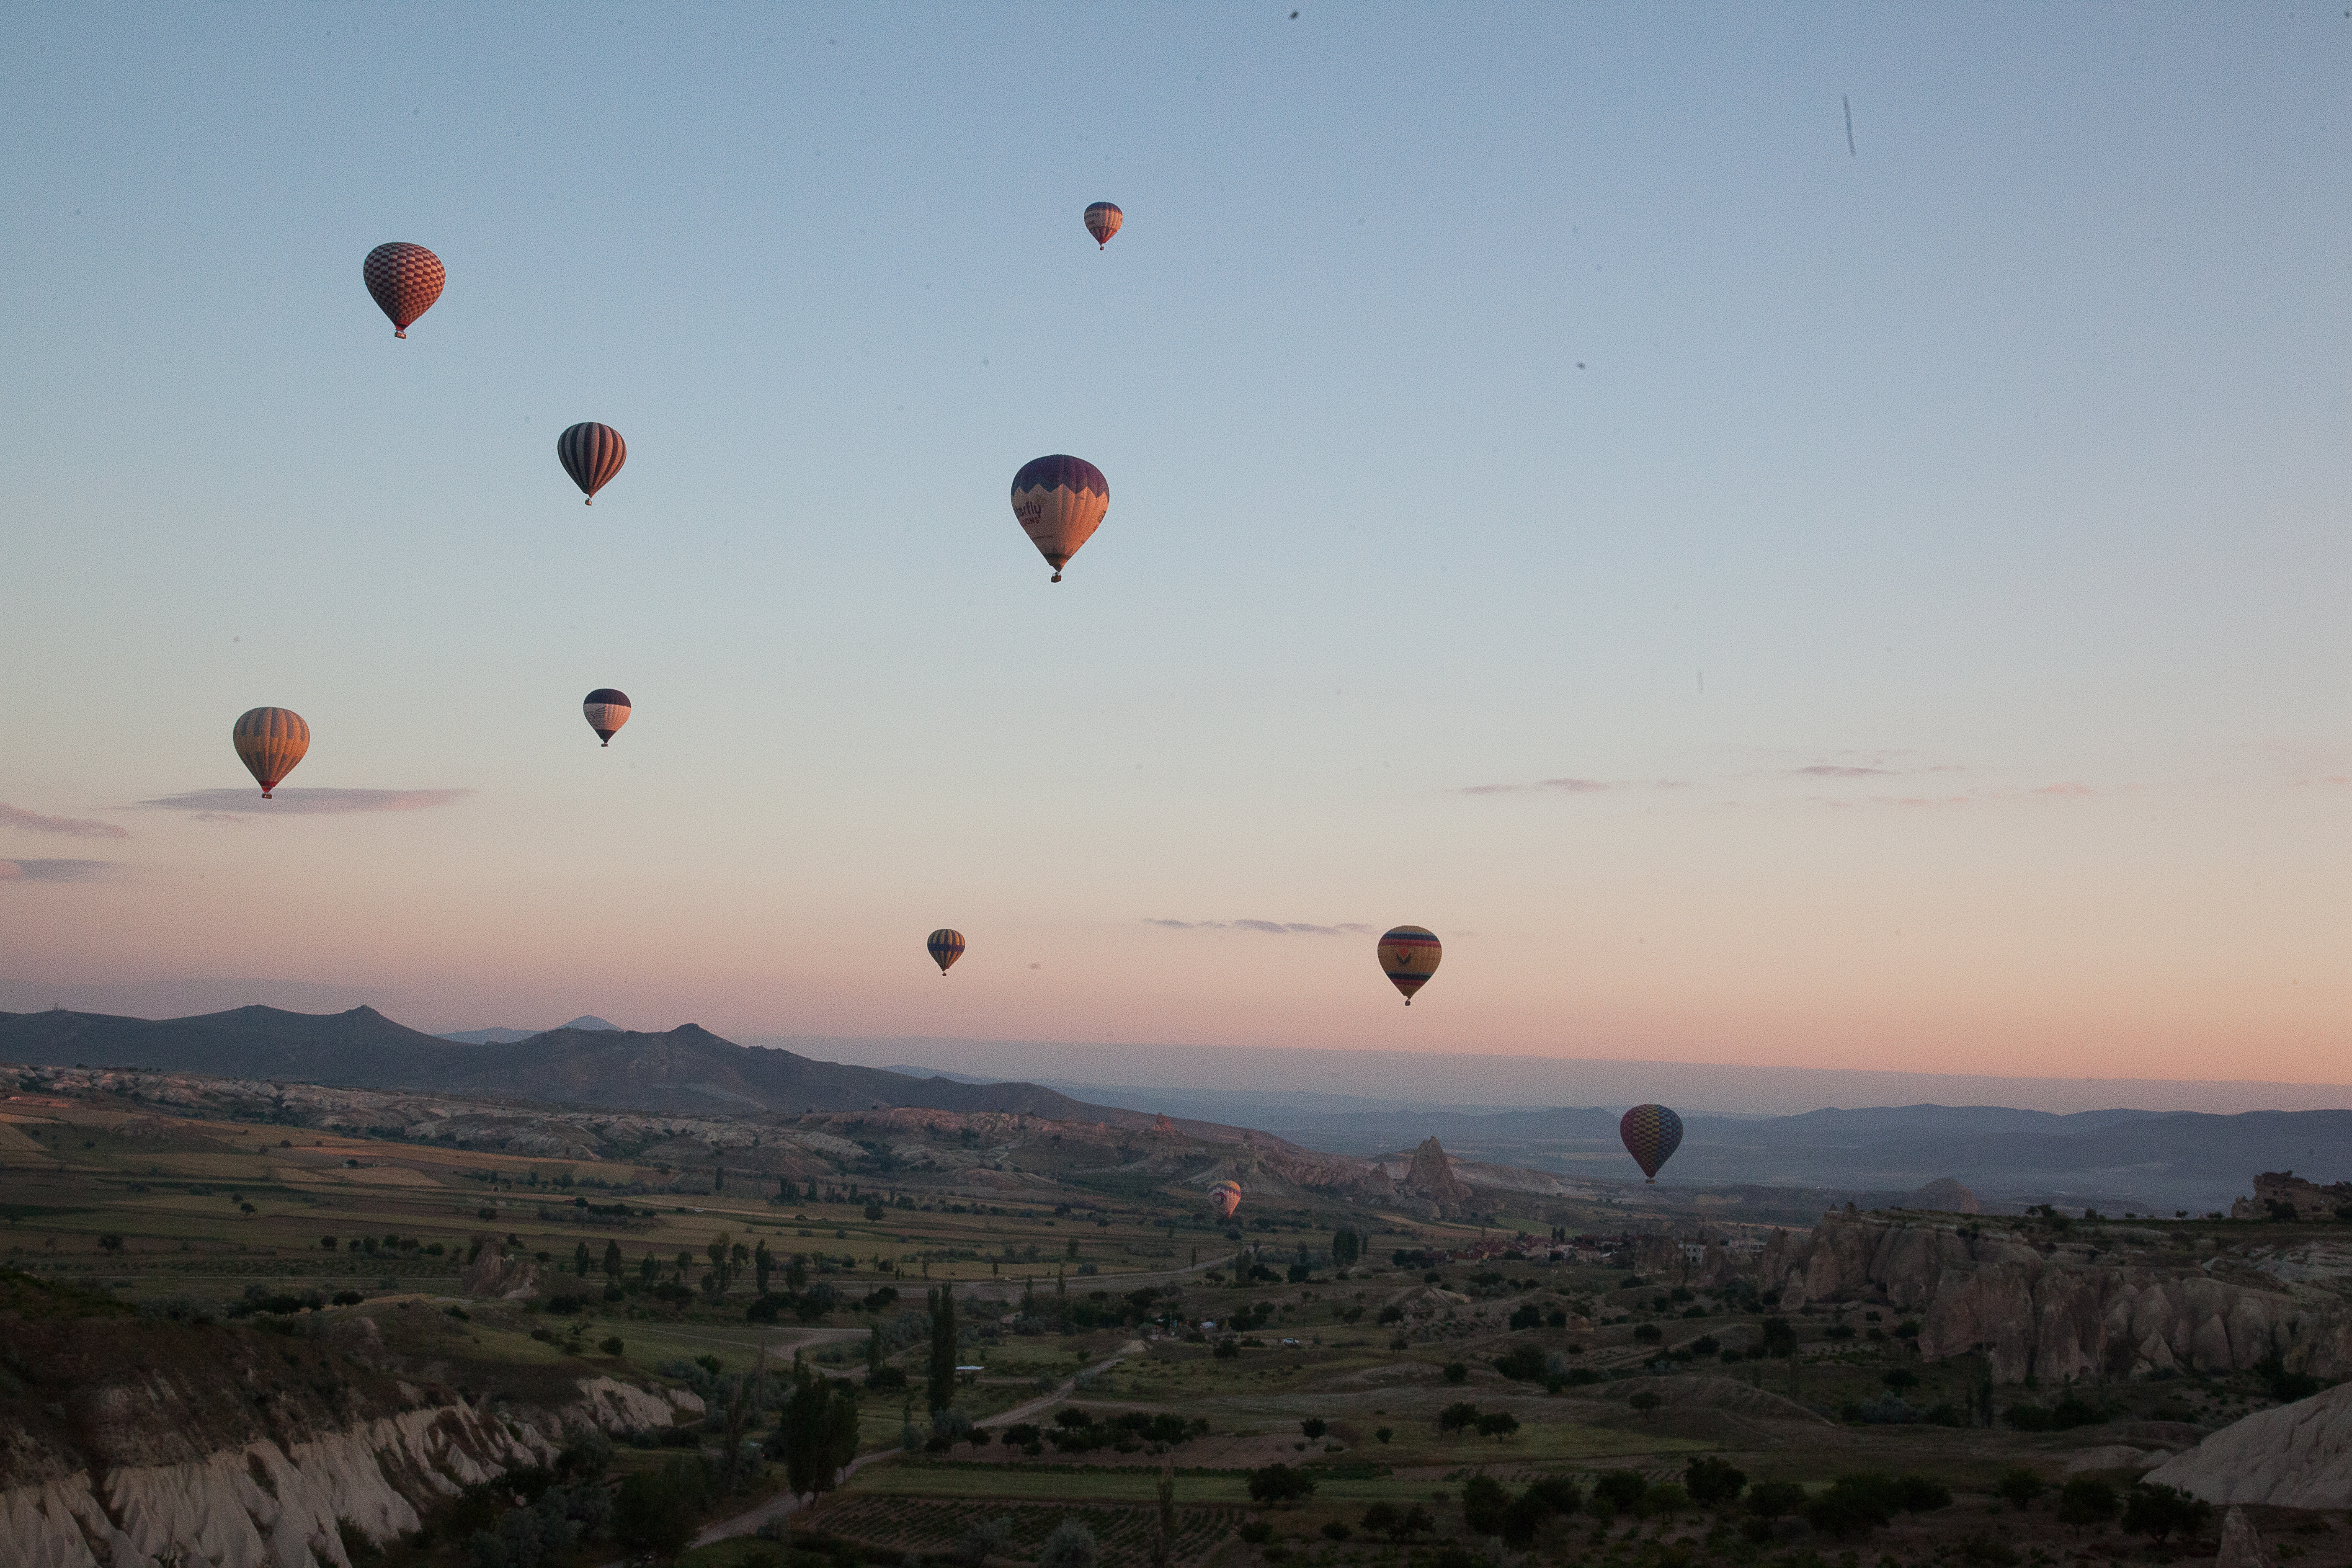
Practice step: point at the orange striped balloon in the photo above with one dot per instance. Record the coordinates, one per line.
(1408, 956)
(1103, 220)
(945, 947)
(606, 710)
(269, 741)
(1227, 1196)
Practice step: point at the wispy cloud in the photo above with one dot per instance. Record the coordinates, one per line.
(244, 804)
(1570, 786)
(53, 870)
(63, 826)
(1272, 928)
(2066, 791)
(1841, 770)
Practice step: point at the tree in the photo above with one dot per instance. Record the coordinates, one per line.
(1456, 1372)
(717, 1250)
(941, 1392)
(1345, 1247)
(1485, 1502)
(1499, 1425)
(1072, 1545)
(1456, 1417)
(581, 1262)
(613, 1261)
(1618, 1491)
(1279, 1483)
(764, 1263)
(1772, 1500)
(1711, 1481)
(816, 1432)
(111, 1242)
(2156, 1511)
(2019, 1485)
(650, 1516)
(1780, 1337)
(1644, 1401)
(982, 1541)
(1313, 1427)
(1163, 1540)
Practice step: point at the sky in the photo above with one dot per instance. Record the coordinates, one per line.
(1760, 599)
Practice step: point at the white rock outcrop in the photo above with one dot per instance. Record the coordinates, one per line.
(2297, 1456)
(264, 1506)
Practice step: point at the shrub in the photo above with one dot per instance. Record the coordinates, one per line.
(1711, 1481)
(1664, 1500)
(1528, 1317)
(2156, 1511)
(1279, 1483)
(1523, 1363)
(1771, 1499)
(1072, 1545)
(2019, 1485)
(1853, 1505)
(982, 1541)
(2086, 1502)
(1226, 1350)
(1780, 1337)
(1499, 1425)
(1456, 1417)
(2069, 1411)
(1456, 1372)
(1313, 1426)
(1648, 1333)
(649, 1516)
(1384, 1434)
(1257, 1533)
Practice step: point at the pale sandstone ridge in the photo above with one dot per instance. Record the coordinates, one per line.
(2296, 1456)
(2054, 1311)
(1431, 1177)
(2242, 1546)
(265, 1506)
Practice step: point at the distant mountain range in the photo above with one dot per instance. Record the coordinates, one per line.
(509, 1036)
(688, 1069)
(2113, 1159)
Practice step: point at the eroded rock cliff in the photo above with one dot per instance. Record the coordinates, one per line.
(2108, 1305)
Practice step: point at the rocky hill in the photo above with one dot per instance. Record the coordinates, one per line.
(2089, 1302)
(2297, 1456)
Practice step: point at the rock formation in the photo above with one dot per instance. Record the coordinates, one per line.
(2296, 1456)
(1945, 1195)
(1431, 1177)
(2241, 1547)
(497, 1273)
(2282, 1195)
(2056, 1310)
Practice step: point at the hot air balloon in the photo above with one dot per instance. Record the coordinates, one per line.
(946, 946)
(1103, 220)
(591, 454)
(1408, 957)
(607, 711)
(1651, 1134)
(405, 279)
(1060, 501)
(1227, 1196)
(269, 741)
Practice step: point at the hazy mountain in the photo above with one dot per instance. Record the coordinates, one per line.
(509, 1036)
(685, 1068)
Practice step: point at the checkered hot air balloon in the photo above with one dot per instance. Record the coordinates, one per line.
(1227, 1196)
(405, 279)
(1060, 501)
(591, 454)
(945, 947)
(1651, 1134)
(1408, 956)
(269, 741)
(606, 711)
(1103, 220)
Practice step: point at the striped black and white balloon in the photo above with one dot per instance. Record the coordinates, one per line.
(607, 711)
(591, 454)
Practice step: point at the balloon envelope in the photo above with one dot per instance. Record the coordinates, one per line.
(269, 741)
(1103, 220)
(607, 711)
(1408, 956)
(1227, 1196)
(1060, 501)
(405, 279)
(945, 947)
(1651, 1134)
(591, 454)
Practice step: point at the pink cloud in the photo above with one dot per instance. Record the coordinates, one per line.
(2066, 791)
(1837, 770)
(1570, 786)
(242, 804)
(64, 826)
